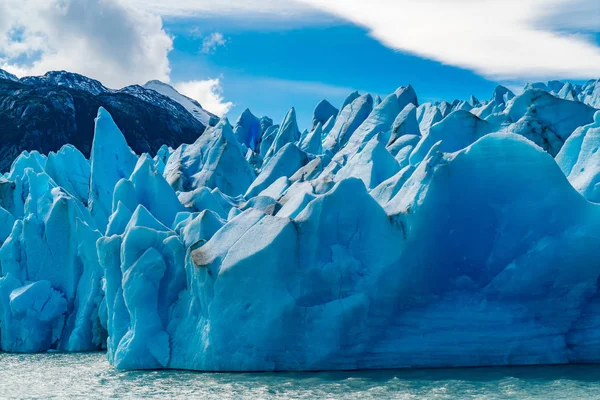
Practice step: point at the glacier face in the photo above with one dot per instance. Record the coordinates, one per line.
(388, 234)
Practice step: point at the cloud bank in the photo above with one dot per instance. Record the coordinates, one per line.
(104, 39)
(498, 39)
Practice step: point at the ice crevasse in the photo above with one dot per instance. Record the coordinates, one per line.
(389, 234)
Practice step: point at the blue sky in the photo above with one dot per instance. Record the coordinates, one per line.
(272, 70)
(269, 66)
(269, 55)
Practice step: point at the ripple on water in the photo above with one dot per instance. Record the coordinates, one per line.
(88, 375)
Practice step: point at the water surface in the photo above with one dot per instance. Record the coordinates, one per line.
(89, 376)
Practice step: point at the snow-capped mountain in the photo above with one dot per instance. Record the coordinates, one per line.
(155, 92)
(8, 76)
(191, 105)
(67, 79)
(46, 112)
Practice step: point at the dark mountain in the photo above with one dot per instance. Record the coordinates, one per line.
(7, 75)
(44, 113)
(67, 79)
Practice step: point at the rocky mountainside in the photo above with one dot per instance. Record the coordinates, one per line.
(46, 112)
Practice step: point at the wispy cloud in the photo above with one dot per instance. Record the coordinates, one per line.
(209, 93)
(301, 87)
(211, 42)
(574, 15)
(498, 39)
(247, 8)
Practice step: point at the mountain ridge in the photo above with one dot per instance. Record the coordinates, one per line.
(46, 112)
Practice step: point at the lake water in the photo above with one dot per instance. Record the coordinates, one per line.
(89, 376)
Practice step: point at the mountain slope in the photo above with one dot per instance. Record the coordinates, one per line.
(191, 105)
(44, 113)
(45, 117)
(7, 75)
(67, 79)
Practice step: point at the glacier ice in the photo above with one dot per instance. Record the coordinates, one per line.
(149, 188)
(387, 234)
(284, 163)
(111, 160)
(216, 160)
(323, 112)
(350, 118)
(312, 143)
(143, 280)
(248, 129)
(559, 116)
(405, 123)
(50, 253)
(34, 160)
(458, 130)
(373, 164)
(287, 133)
(580, 161)
(379, 121)
(71, 171)
(428, 114)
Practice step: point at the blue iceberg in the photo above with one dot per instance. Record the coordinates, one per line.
(388, 234)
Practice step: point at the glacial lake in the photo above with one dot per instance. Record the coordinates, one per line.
(89, 376)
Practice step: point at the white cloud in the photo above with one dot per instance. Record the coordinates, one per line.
(246, 8)
(498, 39)
(209, 93)
(256, 15)
(4, 19)
(104, 39)
(212, 41)
(576, 15)
(109, 40)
